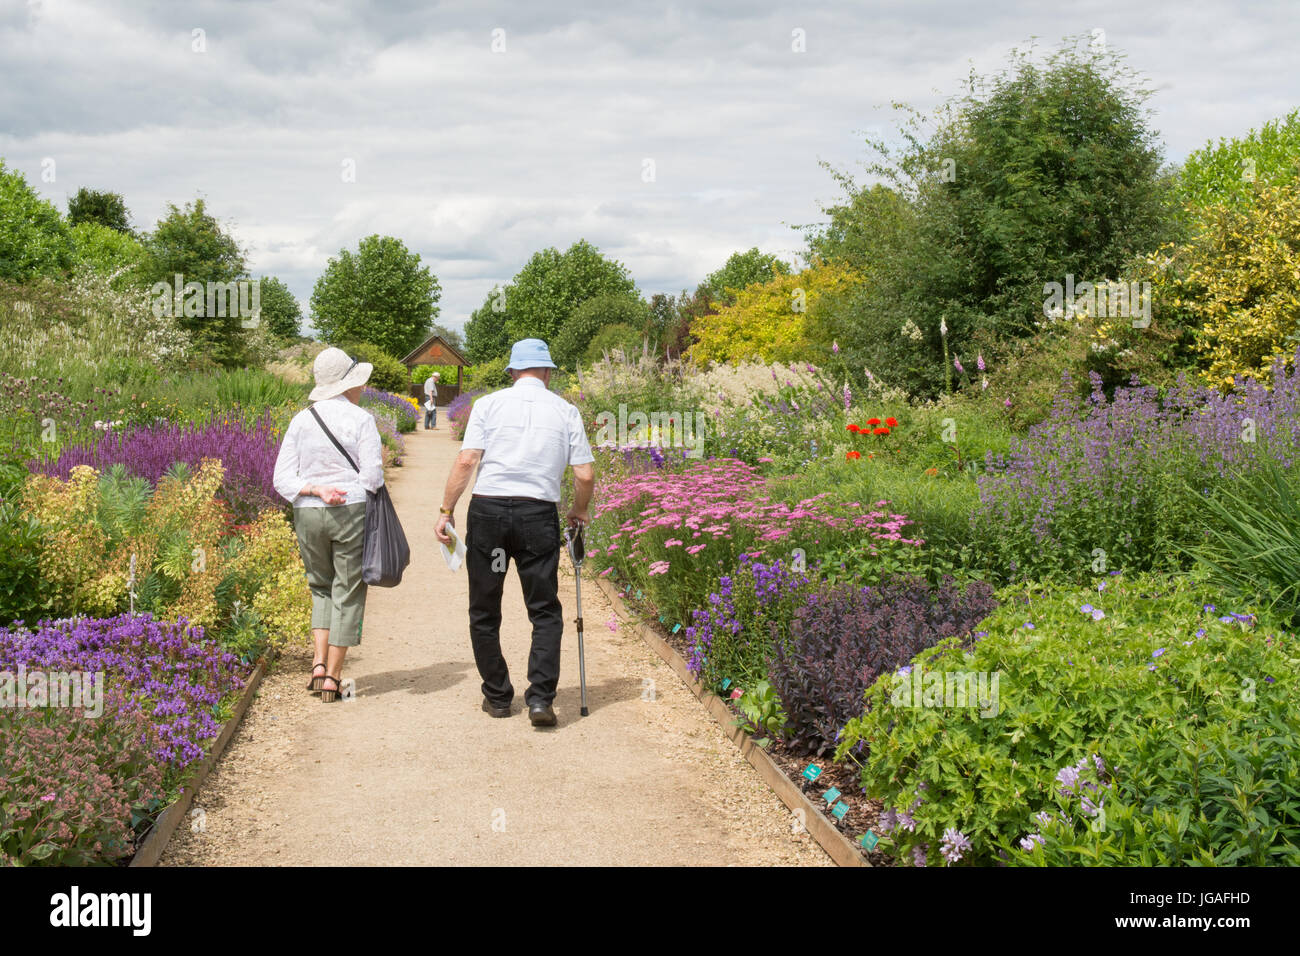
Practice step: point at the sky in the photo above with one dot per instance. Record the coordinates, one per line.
(667, 134)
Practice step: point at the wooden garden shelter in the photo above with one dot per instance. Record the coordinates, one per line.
(437, 351)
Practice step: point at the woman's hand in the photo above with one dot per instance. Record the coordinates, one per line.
(327, 493)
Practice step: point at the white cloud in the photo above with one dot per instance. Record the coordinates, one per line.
(477, 159)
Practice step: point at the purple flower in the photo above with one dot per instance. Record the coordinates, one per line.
(1032, 841)
(1158, 652)
(957, 365)
(1068, 778)
(954, 845)
(979, 361)
(918, 854)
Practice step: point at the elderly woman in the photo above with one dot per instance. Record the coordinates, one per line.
(329, 506)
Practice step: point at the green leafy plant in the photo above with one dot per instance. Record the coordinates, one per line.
(1112, 670)
(763, 714)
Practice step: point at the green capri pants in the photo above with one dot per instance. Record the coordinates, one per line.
(331, 541)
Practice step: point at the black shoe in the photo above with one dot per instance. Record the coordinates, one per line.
(494, 709)
(542, 715)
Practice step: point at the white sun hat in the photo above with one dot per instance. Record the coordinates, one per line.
(336, 372)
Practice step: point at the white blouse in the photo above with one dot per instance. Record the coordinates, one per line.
(308, 457)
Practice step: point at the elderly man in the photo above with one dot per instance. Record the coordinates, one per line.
(431, 402)
(521, 439)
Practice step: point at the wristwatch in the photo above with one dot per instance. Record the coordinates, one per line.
(444, 511)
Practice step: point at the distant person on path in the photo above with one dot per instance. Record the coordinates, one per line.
(521, 439)
(329, 507)
(431, 402)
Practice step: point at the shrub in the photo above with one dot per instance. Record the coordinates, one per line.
(621, 337)
(389, 374)
(488, 376)
(1077, 673)
(74, 784)
(1223, 795)
(768, 320)
(589, 319)
(844, 637)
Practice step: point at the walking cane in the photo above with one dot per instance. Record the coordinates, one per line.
(577, 552)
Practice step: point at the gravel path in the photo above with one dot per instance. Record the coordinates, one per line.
(412, 772)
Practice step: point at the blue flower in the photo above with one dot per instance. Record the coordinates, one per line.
(1157, 652)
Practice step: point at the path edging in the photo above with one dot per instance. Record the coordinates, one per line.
(837, 846)
(151, 850)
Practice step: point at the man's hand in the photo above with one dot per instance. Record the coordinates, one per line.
(577, 516)
(438, 529)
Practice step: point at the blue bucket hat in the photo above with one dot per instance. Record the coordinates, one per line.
(530, 353)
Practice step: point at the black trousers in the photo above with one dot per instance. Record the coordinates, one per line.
(499, 530)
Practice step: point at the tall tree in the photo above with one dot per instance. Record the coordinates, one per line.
(192, 244)
(34, 239)
(1037, 173)
(105, 208)
(552, 284)
(379, 294)
(741, 270)
(486, 334)
(281, 313)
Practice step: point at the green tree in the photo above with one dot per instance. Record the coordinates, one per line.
(108, 252)
(192, 244)
(1227, 172)
(34, 239)
(281, 313)
(740, 271)
(380, 294)
(486, 334)
(590, 318)
(1029, 176)
(552, 284)
(105, 208)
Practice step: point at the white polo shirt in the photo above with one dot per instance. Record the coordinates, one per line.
(528, 436)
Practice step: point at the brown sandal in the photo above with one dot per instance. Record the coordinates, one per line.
(314, 685)
(328, 696)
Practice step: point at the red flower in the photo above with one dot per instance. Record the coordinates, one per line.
(854, 428)
(873, 421)
(880, 431)
(891, 422)
(852, 455)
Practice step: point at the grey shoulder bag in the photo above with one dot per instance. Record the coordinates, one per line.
(386, 552)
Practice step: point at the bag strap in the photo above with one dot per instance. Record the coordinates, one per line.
(329, 434)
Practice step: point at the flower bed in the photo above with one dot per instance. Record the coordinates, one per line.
(247, 456)
(77, 783)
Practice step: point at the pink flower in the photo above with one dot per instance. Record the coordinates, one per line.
(659, 567)
(605, 573)
(696, 548)
(671, 543)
